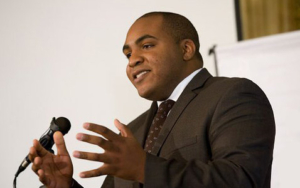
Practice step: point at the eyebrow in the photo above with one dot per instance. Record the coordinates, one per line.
(139, 40)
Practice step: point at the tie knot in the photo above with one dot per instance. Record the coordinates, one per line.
(165, 107)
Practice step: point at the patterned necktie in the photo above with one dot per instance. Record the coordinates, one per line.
(157, 123)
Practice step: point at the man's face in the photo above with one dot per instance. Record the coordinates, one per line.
(155, 64)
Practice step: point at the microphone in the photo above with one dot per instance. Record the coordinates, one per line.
(61, 124)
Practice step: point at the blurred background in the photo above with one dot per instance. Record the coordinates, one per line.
(64, 58)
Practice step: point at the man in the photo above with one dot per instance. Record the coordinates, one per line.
(219, 133)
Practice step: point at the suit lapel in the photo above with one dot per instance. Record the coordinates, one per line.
(142, 130)
(185, 98)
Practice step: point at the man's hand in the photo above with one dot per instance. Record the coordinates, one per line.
(123, 156)
(54, 171)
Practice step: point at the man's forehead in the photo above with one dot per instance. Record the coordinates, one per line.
(149, 25)
(149, 19)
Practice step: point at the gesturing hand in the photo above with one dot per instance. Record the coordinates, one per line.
(123, 156)
(54, 171)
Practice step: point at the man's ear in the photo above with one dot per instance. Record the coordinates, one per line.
(188, 47)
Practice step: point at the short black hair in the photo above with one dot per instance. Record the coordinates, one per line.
(178, 26)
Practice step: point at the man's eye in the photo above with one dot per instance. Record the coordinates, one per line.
(128, 55)
(146, 46)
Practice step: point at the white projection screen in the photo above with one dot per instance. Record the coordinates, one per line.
(273, 63)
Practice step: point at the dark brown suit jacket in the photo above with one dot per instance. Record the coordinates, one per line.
(220, 133)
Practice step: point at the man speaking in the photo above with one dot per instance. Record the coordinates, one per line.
(200, 131)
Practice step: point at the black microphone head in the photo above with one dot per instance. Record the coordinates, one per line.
(63, 124)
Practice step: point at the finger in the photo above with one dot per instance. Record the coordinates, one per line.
(125, 131)
(36, 165)
(107, 133)
(40, 150)
(99, 157)
(60, 143)
(43, 178)
(96, 140)
(32, 154)
(104, 170)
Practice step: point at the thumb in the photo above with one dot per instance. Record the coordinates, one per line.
(125, 132)
(60, 143)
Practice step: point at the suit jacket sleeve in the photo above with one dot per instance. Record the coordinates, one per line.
(241, 137)
(108, 182)
(76, 184)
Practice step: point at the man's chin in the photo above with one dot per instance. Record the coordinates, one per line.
(152, 96)
(146, 94)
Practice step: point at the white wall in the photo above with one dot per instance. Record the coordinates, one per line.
(63, 58)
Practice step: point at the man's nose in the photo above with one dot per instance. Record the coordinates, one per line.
(135, 59)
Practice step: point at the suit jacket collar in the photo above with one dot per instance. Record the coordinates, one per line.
(198, 81)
